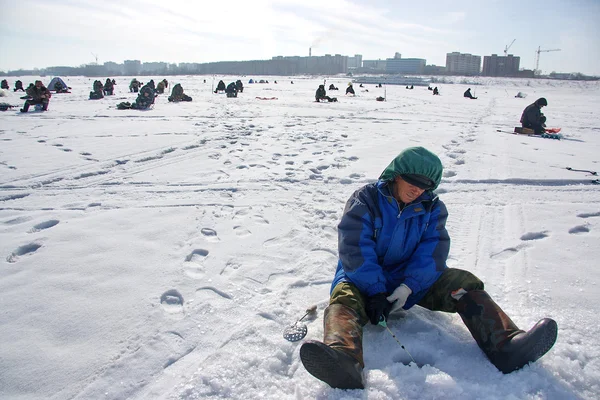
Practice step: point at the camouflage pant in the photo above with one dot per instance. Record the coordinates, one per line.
(489, 325)
(438, 298)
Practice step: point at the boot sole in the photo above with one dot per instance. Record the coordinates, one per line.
(545, 343)
(323, 363)
(542, 344)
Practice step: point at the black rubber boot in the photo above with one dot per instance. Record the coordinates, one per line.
(338, 360)
(334, 367)
(506, 346)
(527, 347)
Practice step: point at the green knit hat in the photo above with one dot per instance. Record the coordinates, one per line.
(415, 161)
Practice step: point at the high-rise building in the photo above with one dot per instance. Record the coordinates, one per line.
(398, 65)
(463, 63)
(355, 62)
(132, 67)
(375, 65)
(113, 68)
(154, 67)
(495, 65)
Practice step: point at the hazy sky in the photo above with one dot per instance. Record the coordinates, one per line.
(42, 33)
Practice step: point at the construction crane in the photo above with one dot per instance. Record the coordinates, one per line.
(537, 57)
(508, 47)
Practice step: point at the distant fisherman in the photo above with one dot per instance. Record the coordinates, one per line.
(468, 94)
(134, 85)
(350, 89)
(322, 95)
(177, 94)
(220, 87)
(162, 85)
(144, 100)
(109, 87)
(97, 91)
(39, 95)
(240, 86)
(533, 118)
(231, 90)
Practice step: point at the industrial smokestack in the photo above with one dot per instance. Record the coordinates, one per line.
(310, 51)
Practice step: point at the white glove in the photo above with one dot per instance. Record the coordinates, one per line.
(398, 297)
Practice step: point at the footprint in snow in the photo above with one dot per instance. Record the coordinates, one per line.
(172, 302)
(589, 215)
(579, 229)
(196, 255)
(504, 254)
(18, 220)
(242, 212)
(209, 234)
(44, 225)
(534, 236)
(23, 250)
(193, 266)
(241, 231)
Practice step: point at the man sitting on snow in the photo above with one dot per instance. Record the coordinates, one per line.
(322, 95)
(134, 85)
(109, 87)
(533, 118)
(393, 246)
(231, 90)
(350, 89)
(177, 94)
(60, 88)
(469, 95)
(240, 86)
(97, 92)
(220, 87)
(144, 100)
(38, 95)
(162, 85)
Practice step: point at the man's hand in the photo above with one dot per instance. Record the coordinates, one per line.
(399, 296)
(378, 308)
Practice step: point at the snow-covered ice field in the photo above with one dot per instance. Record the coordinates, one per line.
(160, 254)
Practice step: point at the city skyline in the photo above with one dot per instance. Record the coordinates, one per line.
(185, 32)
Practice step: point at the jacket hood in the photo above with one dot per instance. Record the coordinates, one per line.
(415, 160)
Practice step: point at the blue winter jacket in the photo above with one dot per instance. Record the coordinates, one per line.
(381, 247)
